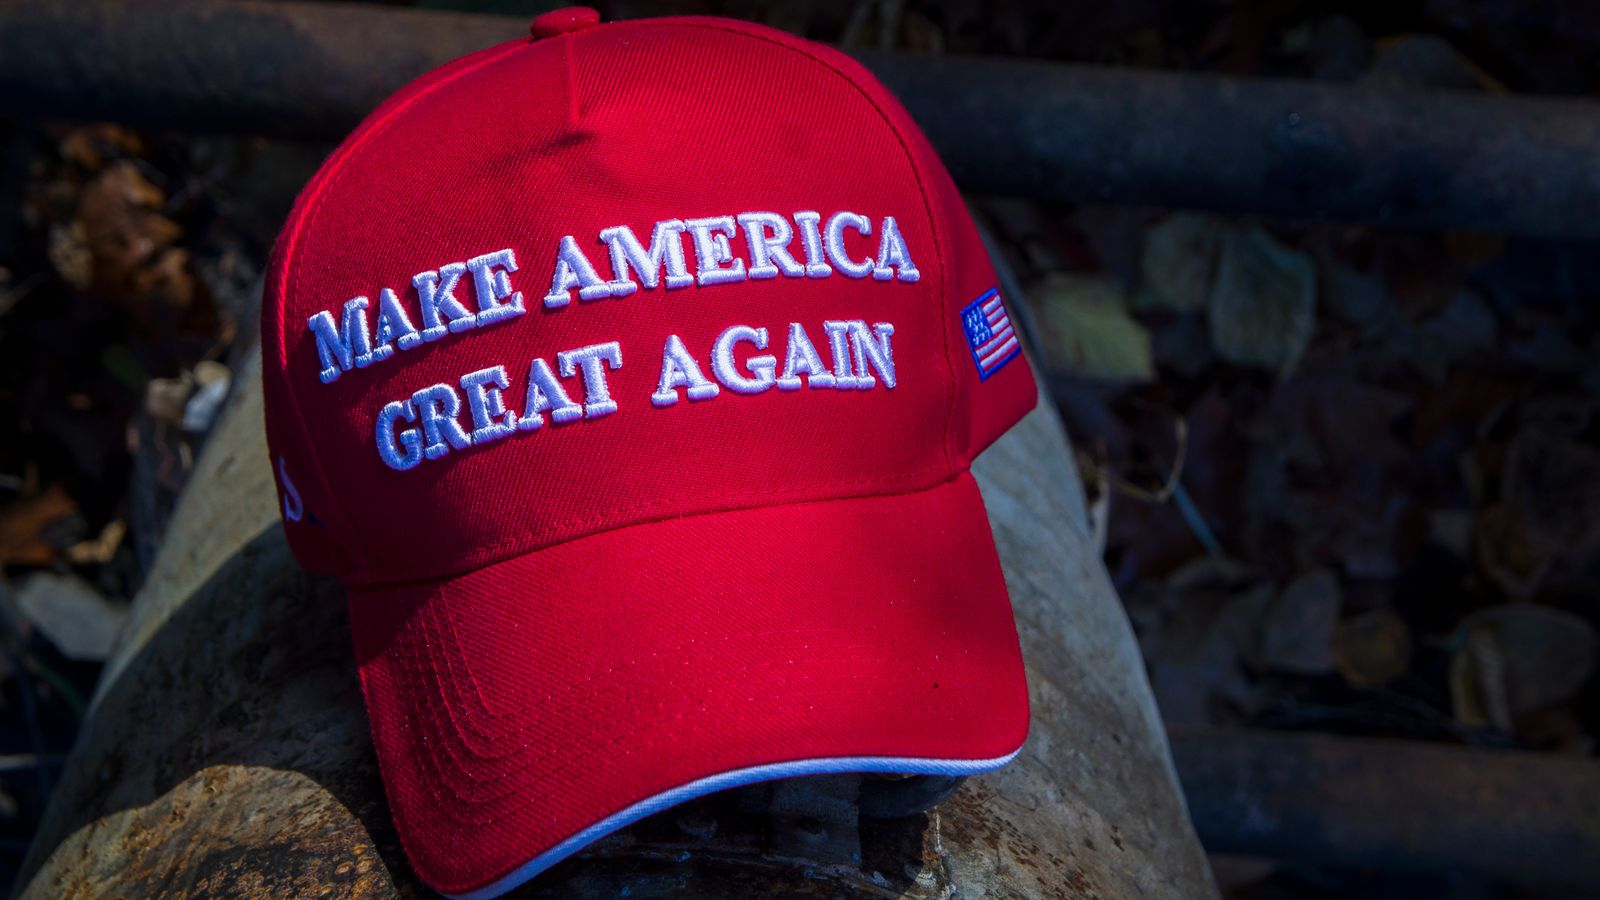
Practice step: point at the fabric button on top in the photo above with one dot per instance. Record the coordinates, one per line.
(563, 21)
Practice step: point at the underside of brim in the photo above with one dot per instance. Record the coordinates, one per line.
(526, 709)
(726, 781)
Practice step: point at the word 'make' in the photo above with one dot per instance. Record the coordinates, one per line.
(353, 342)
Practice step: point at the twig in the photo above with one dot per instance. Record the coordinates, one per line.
(30, 719)
(1195, 521)
(16, 648)
(1100, 508)
(1180, 434)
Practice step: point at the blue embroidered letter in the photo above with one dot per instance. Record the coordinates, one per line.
(391, 453)
(490, 419)
(679, 370)
(342, 349)
(393, 325)
(546, 393)
(492, 284)
(834, 241)
(873, 353)
(597, 400)
(893, 255)
(666, 245)
(438, 406)
(712, 250)
(811, 239)
(769, 254)
(722, 364)
(845, 377)
(802, 359)
(436, 292)
(573, 270)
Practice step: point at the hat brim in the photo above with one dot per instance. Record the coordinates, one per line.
(525, 709)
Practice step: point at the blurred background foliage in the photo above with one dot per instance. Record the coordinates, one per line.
(1346, 478)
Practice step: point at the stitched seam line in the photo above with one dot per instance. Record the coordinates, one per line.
(569, 65)
(304, 216)
(594, 527)
(934, 223)
(463, 768)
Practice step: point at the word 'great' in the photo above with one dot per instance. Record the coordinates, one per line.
(427, 424)
(352, 343)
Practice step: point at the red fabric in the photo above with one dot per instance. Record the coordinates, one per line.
(515, 706)
(660, 593)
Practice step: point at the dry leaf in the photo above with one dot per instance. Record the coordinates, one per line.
(1372, 649)
(1179, 262)
(132, 246)
(68, 250)
(91, 145)
(1297, 634)
(1466, 326)
(1518, 658)
(1089, 332)
(1427, 60)
(24, 522)
(102, 548)
(166, 398)
(1263, 306)
(1478, 682)
(1514, 556)
(212, 380)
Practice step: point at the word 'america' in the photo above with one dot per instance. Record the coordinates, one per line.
(352, 343)
(427, 425)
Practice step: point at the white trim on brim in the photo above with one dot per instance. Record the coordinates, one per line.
(737, 778)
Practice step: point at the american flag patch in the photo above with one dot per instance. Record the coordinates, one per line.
(989, 334)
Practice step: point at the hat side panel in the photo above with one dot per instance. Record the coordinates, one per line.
(319, 527)
(992, 384)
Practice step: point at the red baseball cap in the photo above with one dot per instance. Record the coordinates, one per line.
(629, 377)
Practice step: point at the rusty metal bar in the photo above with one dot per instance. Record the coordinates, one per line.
(1438, 159)
(1532, 818)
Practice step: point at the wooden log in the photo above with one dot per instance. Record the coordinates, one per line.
(1071, 134)
(228, 754)
(1366, 803)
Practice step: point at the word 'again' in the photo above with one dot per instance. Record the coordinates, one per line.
(429, 424)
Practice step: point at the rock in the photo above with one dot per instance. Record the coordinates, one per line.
(73, 615)
(1465, 326)
(1297, 635)
(213, 380)
(1451, 529)
(165, 399)
(1357, 298)
(1179, 262)
(1519, 658)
